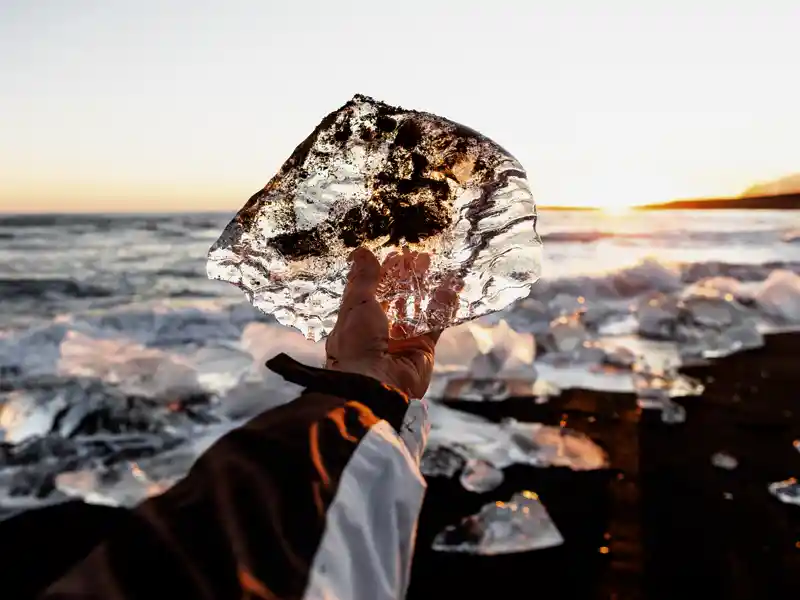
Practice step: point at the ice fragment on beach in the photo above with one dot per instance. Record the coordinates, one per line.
(723, 460)
(779, 296)
(656, 314)
(440, 461)
(512, 442)
(126, 483)
(483, 351)
(479, 476)
(654, 387)
(787, 491)
(712, 324)
(519, 525)
(568, 333)
(707, 321)
(437, 202)
(673, 413)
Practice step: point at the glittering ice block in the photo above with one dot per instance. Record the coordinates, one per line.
(441, 206)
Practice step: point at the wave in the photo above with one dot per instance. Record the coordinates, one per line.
(26, 288)
(710, 237)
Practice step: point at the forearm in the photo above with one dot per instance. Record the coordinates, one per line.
(315, 498)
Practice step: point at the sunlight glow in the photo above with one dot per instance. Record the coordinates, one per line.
(115, 106)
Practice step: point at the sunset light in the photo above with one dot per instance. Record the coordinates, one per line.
(639, 119)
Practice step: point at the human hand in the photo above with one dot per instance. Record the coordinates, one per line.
(360, 340)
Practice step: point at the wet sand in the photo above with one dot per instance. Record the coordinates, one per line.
(675, 526)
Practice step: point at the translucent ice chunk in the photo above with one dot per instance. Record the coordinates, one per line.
(134, 368)
(519, 525)
(483, 352)
(787, 491)
(712, 324)
(513, 442)
(440, 461)
(127, 483)
(656, 314)
(779, 296)
(24, 415)
(673, 413)
(479, 476)
(723, 460)
(439, 204)
(654, 386)
(568, 333)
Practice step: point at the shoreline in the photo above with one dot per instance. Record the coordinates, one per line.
(674, 521)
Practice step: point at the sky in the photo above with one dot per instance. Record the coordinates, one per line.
(115, 105)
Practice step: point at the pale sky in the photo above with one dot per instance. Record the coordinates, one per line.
(141, 105)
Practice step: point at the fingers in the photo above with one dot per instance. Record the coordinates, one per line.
(442, 307)
(362, 281)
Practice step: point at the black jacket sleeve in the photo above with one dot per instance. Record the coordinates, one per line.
(316, 498)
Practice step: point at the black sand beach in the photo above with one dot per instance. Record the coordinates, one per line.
(674, 525)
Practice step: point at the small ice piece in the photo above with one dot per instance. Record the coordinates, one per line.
(519, 525)
(723, 460)
(442, 206)
(673, 413)
(654, 387)
(440, 461)
(567, 333)
(25, 415)
(479, 476)
(779, 296)
(650, 385)
(656, 314)
(787, 491)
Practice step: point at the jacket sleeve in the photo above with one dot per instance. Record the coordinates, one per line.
(315, 499)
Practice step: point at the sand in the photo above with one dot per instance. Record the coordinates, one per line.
(675, 526)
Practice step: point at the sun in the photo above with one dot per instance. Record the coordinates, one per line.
(616, 209)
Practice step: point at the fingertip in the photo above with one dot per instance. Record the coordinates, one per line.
(361, 254)
(364, 262)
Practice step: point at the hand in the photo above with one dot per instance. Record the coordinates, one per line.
(360, 341)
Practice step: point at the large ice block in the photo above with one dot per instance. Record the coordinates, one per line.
(441, 205)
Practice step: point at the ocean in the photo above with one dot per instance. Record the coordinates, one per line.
(120, 361)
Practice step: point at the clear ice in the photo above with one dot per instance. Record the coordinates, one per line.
(512, 442)
(519, 525)
(441, 206)
(723, 460)
(479, 476)
(787, 491)
(440, 461)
